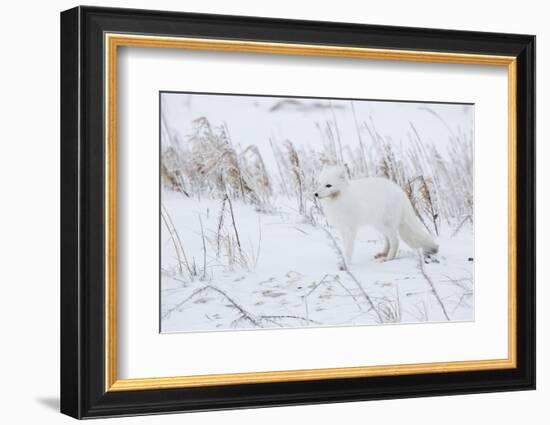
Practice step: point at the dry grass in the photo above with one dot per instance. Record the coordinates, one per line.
(207, 163)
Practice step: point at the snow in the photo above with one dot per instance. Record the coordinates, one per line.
(296, 280)
(230, 261)
(251, 122)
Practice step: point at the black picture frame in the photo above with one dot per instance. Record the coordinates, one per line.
(83, 392)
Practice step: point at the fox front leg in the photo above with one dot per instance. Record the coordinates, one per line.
(348, 235)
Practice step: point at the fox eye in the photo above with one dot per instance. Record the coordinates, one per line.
(328, 186)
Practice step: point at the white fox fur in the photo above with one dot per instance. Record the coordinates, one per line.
(376, 202)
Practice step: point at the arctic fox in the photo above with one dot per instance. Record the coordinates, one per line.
(373, 201)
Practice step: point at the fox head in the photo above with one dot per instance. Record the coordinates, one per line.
(331, 181)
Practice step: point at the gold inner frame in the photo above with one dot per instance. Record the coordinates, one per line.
(113, 41)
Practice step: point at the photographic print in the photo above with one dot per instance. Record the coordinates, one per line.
(275, 212)
(291, 212)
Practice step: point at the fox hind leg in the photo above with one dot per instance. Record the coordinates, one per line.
(384, 252)
(394, 245)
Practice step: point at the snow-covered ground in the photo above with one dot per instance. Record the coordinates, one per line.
(293, 279)
(244, 244)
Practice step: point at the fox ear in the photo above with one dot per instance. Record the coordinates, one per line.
(342, 172)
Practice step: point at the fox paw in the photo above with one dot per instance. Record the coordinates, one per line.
(430, 259)
(380, 256)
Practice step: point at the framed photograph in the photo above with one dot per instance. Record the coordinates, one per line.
(261, 212)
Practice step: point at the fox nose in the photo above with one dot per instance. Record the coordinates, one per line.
(316, 194)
